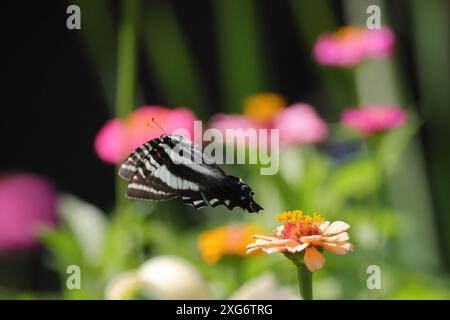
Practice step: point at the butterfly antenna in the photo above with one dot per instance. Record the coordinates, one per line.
(153, 120)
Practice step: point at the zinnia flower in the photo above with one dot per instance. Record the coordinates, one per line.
(298, 123)
(118, 138)
(263, 107)
(374, 118)
(27, 203)
(226, 240)
(349, 45)
(312, 235)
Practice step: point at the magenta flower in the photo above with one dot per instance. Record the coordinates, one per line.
(118, 138)
(297, 124)
(27, 203)
(373, 118)
(110, 141)
(379, 43)
(300, 124)
(348, 46)
(223, 122)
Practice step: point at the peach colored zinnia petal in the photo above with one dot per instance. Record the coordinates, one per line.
(337, 248)
(312, 238)
(268, 246)
(278, 230)
(324, 226)
(278, 242)
(275, 249)
(263, 237)
(343, 236)
(252, 249)
(298, 248)
(336, 227)
(314, 260)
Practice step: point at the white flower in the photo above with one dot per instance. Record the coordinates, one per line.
(166, 277)
(171, 277)
(123, 286)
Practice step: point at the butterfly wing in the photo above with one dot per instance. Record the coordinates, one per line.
(171, 166)
(138, 169)
(150, 188)
(148, 175)
(130, 166)
(215, 186)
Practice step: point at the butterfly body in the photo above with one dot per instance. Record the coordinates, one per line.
(171, 166)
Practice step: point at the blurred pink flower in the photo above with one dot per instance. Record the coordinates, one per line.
(118, 138)
(27, 202)
(373, 118)
(349, 45)
(223, 122)
(379, 43)
(297, 124)
(300, 124)
(110, 140)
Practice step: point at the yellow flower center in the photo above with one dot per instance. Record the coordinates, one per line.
(297, 225)
(264, 107)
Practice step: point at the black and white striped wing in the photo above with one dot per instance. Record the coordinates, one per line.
(170, 166)
(149, 178)
(138, 169)
(136, 160)
(150, 188)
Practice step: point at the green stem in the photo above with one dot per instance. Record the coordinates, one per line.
(241, 51)
(169, 54)
(305, 282)
(126, 59)
(100, 45)
(126, 69)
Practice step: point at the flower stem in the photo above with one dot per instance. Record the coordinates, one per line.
(126, 59)
(126, 71)
(305, 282)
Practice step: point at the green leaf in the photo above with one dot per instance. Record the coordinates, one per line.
(357, 179)
(64, 248)
(394, 143)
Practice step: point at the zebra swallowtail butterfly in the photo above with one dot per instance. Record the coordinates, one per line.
(156, 171)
